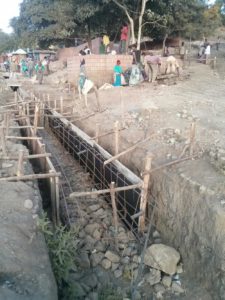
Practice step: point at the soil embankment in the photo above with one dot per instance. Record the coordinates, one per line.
(24, 262)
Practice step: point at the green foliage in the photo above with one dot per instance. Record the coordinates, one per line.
(45, 22)
(62, 245)
(109, 293)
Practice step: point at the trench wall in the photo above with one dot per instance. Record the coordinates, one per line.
(191, 218)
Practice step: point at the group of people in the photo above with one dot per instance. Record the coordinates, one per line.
(147, 70)
(28, 67)
(105, 47)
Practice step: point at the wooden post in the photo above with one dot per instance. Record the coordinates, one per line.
(55, 104)
(2, 137)
(8, 116)
(57, 208)
(192, 137)
(49, 103)
(113, 199)
(43, 149)
(122, 109)
(20, 169)
(16, 96)
(36, 116)
(97, 131)
(28, 109)
(144, 194)
(42, 115)
(61, 104)
(53, 197)
(116, 134)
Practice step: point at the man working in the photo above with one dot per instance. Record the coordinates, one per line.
(172, 65)
(153, 62)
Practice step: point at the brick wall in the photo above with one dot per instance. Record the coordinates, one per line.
(99, 68)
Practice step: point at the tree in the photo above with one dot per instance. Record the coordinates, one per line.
(139, 14)
(8, 42)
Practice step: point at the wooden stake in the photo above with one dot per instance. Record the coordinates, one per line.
(105, 134)
(144, 194)
(122, 110)
(113, 199)
(97, 130)
(16, 97)
(192, 137)
(57, 207)
(30, 177)
(36, 116)
(49, 102)
(20, 169)
(106, 191)
(128, 150)
(3, 142)
(97, 98)
(61, 104)
(116, 135)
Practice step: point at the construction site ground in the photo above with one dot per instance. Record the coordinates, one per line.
(166, 113)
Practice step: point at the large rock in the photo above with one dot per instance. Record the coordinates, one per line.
(113, 257)
(96, 258)
(153, 277)
(90, 228)
(162, 257)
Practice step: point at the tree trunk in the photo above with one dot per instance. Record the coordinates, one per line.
(143, 6)
(164, 44)
(89, 36)
(133, 39)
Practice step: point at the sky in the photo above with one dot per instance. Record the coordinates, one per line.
(9, 9)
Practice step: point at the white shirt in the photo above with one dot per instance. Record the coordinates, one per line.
(207, 50)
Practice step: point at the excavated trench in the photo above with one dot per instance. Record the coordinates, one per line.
(173, 191)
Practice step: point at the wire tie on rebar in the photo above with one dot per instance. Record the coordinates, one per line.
(81, 152)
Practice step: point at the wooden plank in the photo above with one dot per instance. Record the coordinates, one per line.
(20, 168)
(32, 156)
(113, 200)
(106, 191)
(128, 150)
(23, 138)
(30, 177)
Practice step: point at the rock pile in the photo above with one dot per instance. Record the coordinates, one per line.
(115, 257)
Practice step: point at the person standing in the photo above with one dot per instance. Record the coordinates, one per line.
(106, 41)
(118, 72)
(124, 38)
(39, 68)
(30, 66)
(153, 62)
(182, 53)
(207, 53)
